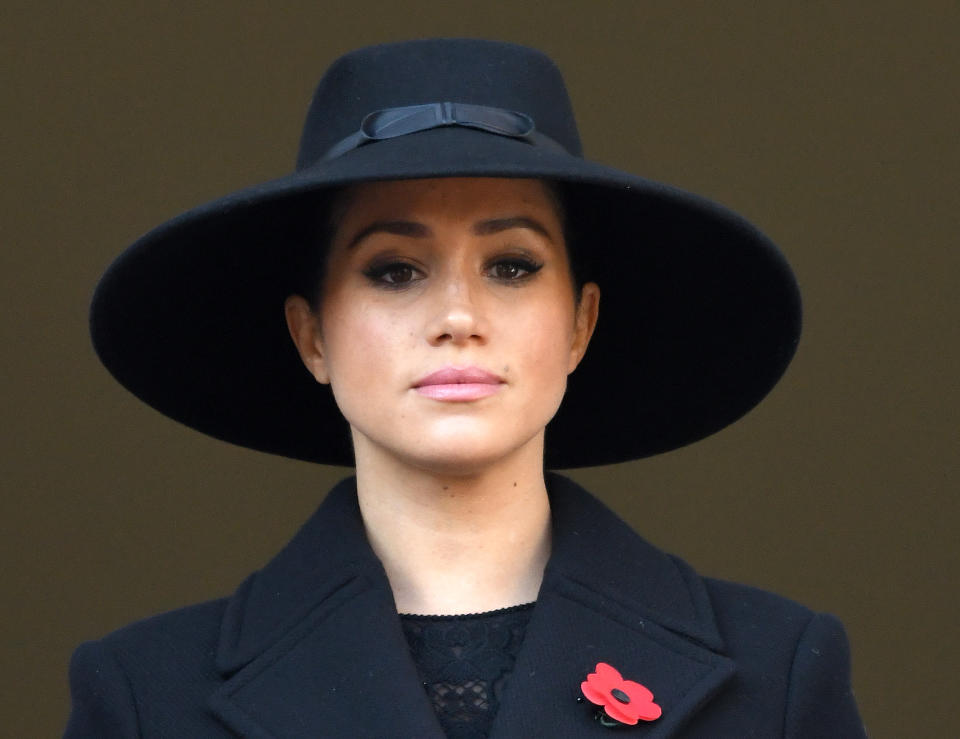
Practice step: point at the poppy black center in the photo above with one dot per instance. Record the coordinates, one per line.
(620, 695)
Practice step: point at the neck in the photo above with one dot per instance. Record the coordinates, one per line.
(457, 543)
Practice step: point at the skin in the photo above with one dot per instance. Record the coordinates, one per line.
(423, 275)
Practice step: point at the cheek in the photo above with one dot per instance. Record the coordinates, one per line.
(544, 338)
(360, 344)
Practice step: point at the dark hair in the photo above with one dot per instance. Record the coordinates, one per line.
(573, 237)
(309, 260)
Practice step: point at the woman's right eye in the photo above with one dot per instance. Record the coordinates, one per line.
(393, 274)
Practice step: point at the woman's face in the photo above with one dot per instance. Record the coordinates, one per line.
(447, 323)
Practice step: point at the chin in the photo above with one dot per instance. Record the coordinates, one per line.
(457, 455)
(460, 462)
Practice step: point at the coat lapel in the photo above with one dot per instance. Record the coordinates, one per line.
(608, 596)
(311, 645)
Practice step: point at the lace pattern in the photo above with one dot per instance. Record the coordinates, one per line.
(464, 662)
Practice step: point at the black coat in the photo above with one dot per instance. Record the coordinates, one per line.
(311, 646)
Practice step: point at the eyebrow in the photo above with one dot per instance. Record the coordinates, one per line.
(496, 225)
(398, 228)
(416, 230)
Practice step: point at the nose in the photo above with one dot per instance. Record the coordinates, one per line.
(458, 317)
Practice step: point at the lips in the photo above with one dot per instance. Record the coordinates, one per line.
(458, 384)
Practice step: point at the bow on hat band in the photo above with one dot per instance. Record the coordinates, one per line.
(392, 122)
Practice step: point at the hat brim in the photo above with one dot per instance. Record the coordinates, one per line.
(700, 313)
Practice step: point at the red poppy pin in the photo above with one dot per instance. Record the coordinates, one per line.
(620, 702)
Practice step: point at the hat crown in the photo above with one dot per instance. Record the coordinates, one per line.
(490, 73)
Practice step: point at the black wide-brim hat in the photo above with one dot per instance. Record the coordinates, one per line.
(700, 313)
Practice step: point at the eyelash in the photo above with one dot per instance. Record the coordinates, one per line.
(378, 273)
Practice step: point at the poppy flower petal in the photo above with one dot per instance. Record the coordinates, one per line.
(591, 693)
(641, 701)
(595, 680)
(618, 712)
(636, 691)
(610, 675)
(651, 712)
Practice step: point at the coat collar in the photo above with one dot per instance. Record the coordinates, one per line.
(311, 643)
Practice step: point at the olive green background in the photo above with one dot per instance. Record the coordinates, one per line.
(832, 125)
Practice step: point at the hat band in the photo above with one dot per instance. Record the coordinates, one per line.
(390, 123)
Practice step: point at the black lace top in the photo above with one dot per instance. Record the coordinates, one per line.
(464, 662)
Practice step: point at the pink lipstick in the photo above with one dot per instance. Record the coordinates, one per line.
(458, 384)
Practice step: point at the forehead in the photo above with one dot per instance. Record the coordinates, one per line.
(447, 199)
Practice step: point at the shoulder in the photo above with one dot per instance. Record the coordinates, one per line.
(788, 666)
(185, 634)
(747, 614)
(804, 654)
(154, 672)
(757, 622)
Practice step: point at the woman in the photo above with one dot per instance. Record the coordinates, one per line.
(437, 260)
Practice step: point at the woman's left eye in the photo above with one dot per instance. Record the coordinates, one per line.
(513, 270)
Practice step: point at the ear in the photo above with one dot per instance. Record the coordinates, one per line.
(304, 327)
(585, 321)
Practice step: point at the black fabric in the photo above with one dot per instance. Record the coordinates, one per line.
(311, 646)
(465, 662)
(699, 309)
